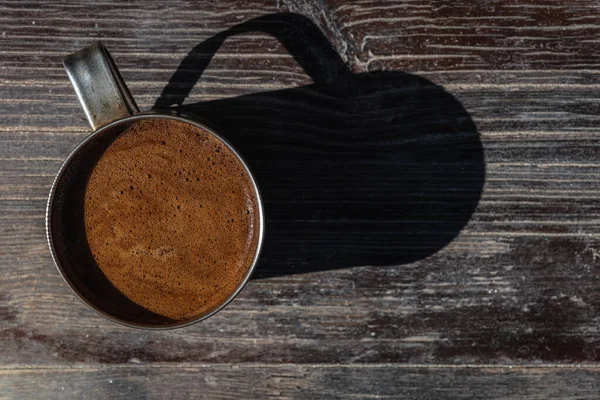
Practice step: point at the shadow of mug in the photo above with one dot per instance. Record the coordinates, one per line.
(378, 169)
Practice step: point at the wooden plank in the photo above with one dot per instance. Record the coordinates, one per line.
(452, 307)
(225, 381)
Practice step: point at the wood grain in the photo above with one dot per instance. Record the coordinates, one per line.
(326, 381)
(517, 287)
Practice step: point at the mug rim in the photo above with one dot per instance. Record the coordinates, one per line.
(81, 145)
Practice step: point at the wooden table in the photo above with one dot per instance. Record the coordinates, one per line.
(433, 225)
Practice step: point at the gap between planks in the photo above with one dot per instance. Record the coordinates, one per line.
(98, 367)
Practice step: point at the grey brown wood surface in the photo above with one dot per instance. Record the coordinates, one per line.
(508, 309)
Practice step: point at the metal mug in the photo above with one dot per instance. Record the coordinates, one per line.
(109, 108)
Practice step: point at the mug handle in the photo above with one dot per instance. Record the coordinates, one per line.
(99, 86)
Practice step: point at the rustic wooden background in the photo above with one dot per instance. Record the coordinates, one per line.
(508, 309)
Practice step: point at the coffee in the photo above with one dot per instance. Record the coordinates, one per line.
(172, 217)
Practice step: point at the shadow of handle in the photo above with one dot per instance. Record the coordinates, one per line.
(299, 35)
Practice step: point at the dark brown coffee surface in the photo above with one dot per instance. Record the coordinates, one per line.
(171, 218)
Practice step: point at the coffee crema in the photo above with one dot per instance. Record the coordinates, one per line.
(172, 218)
